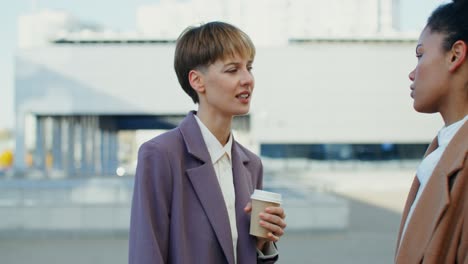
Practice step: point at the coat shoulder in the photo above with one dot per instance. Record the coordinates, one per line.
(169, 140)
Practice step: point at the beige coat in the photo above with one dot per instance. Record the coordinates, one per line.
(438, 230)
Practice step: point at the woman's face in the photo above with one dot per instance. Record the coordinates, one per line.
(228, 86)
(430, 77)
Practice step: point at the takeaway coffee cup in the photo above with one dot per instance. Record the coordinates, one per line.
(260, 201)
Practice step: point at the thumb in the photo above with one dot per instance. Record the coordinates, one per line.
(248, 207)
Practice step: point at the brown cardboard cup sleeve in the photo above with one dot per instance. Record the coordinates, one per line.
(261, 200)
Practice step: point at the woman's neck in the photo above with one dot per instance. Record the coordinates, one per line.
(219, 125)
(454, 114)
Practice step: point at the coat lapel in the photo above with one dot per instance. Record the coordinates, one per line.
(206, 185)
(409, 201)
(243, 188)
(412, 195)
(434, 200)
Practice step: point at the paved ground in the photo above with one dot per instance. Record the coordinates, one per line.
(375, 200)
(369, 239)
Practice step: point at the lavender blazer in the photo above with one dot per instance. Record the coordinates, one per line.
(178, 211)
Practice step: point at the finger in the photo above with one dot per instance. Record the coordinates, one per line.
(279, 211)
(272, 237)
(248, 208)
(274, 229)
(273, 219)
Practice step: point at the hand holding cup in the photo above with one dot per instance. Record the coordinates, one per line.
(267, 216)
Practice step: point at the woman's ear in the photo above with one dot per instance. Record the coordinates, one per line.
(196, 81)
(457, 55)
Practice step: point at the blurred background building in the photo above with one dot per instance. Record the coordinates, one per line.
(331, 113)
(330, 84)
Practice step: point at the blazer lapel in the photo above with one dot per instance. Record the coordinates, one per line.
(243, 188)
(412, 195)
(409, 201)
(206, 185)
(434, 200)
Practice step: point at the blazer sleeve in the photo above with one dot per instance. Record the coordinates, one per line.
(150, 212)
(463, 249)
(270, 259)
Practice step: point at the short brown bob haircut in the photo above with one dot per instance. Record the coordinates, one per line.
(199, 46)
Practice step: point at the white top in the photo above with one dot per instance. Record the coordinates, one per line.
(428, 164)
(221, 159)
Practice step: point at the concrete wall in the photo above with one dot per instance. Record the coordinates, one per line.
(72, 205)
(104, 205)
(338, 93)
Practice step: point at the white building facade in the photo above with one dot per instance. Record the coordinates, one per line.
(331, 83)
(274, 22)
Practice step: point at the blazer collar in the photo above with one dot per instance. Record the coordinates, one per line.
(193, 138)
(195, 144)
(205, 183)
(434, 200)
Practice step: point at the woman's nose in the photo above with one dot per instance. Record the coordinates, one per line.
(411, 75)
(247, 77)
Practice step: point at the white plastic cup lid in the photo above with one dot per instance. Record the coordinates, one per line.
(266, 196)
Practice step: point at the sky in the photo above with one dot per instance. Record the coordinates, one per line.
(118, 15)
